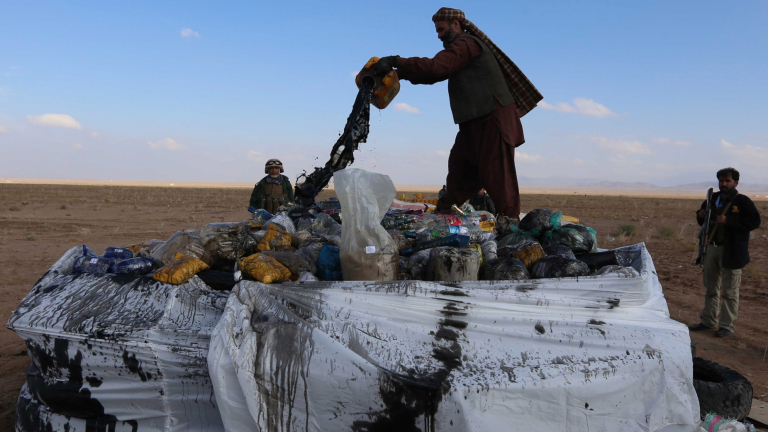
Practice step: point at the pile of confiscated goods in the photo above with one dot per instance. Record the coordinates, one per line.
(430, 322)
(464, 246)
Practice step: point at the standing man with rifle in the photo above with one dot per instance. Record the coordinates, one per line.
(727, 218)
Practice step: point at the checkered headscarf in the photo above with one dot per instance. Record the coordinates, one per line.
(525, 93)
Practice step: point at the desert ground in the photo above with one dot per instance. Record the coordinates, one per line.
(38, 222)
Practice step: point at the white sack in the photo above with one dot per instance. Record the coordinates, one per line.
(367, 252)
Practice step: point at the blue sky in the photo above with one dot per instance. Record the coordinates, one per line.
(663, 92)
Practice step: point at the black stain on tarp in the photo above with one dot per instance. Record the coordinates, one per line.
(411, 402)
(453, 293)
(540, 328)
(595, 322)
(133, 365)
(56, 381)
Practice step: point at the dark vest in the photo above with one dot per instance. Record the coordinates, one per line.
(473, 88)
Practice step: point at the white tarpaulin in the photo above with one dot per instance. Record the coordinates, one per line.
(574, 354)
(116, 353)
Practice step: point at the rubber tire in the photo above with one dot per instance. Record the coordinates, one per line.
(721, 390)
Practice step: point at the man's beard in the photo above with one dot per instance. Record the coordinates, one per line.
(449, 38)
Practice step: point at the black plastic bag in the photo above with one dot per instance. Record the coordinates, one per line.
(556, 266)
(561, 250)
(296, 262)
(578, 238)
(504, 269)
(543, 219)
(132, 266)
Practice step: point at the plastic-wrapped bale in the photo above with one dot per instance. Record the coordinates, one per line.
(276, 236)
(117, 253)
(304, 223)
(225, 241)
(490, 249)
(333, 240)
(543, 219)
(92, 264)
(617, 269)
(284, 221)
(258, 235)
(417, 264)
(296, 262)
(453, 264)
(132, 266)
(264, 269)
(146, 249)
(329, 264)
(110, 353)
(330, 231)
(505, 269)
(527, 251)
(281, 353)
(311, 251)
(556, 267)
(185, 242)
(299, 237)
(180, 270)
(322, 221)
(561, 250)
(401, 241)
(577, 237)
(516, 235)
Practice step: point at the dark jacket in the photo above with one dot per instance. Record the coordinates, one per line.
(741, 218)
(472, 90)
(484, 203)
(260, 191)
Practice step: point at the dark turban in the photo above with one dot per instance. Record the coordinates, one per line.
(525, 93)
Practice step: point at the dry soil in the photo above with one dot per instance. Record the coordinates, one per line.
(39, 222)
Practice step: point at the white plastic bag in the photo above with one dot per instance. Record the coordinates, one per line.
(367, 250)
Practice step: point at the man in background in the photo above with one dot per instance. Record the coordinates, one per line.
(274, 190)
(483, 202)
(733, 216)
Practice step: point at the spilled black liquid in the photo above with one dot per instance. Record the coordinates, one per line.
(342, 154)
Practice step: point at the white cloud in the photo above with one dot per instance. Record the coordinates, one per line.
(77, 146)
(188, 32)
(672, 142)
(95, 134)
(746, 153)
(442, 153)
(581, 106)
(3, 129)
(166, 144)
(55, 120)
(527, 158)
(353, 74)
(406, 108)
(253, 155)
(623, 147)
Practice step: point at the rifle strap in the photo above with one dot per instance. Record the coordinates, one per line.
(712, 232)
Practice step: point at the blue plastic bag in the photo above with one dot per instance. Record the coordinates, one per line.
(92, 264)
(329, 264)
(132, 266)
(117, 254)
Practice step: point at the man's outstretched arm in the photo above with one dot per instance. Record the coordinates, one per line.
(422, 70)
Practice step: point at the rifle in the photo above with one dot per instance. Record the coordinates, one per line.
(704, 231)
